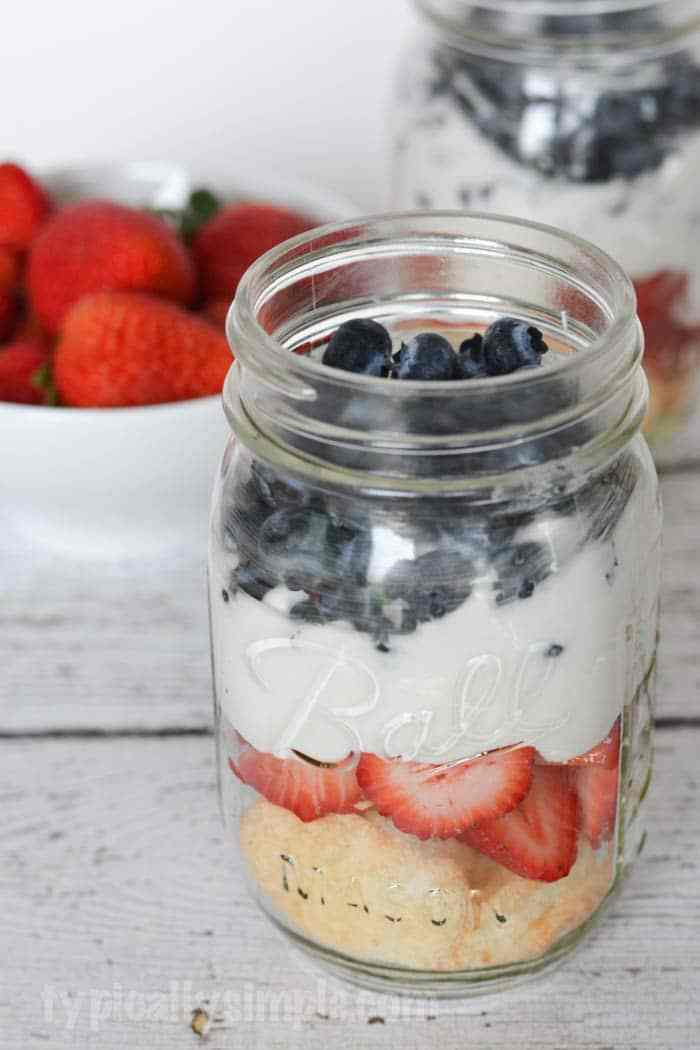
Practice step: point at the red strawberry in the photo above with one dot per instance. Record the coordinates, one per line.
(606, 753)
(8, 315)
(9, 270)
(23, 207)
(225, 246)
(432, 801)
(28, 328)
(99, 246)
(659, 295)
(216, 311)
(597, 792)
(19, 362)
(538, 839)
(122, 348)
(9, 300)
(662, 304)
(307, 789)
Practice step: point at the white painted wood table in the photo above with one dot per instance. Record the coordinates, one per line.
(123, 912)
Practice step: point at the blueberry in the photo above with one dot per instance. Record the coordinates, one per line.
(306, 611)
(275, 491)
(624, 135)
(618, 115)
(519, 569)
(470, 361)
(254, 580)
(469, 535)
(243, 513)
(432, 585)
(680, 98)
(321, 554)
(347, 552)
(467, 368)
(360, 346)
(292, 543)
(510, 344)
(288, 532)
(472, 347)
(619, 141)
(426, 356)
(339, 601)
(503, 529)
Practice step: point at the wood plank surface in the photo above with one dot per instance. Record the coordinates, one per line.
(123, 913)
(124, 646)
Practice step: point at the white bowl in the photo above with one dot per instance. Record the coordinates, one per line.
(122, 481)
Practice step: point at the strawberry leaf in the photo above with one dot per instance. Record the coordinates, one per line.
(201, 206)
(42, 379)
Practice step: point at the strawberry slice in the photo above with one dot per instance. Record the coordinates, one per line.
(597, 792)
(431, 801)
(606, 753)
(538, 839)
(305, 787)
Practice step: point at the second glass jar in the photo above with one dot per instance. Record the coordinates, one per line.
(582, 114)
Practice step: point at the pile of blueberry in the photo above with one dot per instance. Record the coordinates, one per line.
(365, 347)
(285, 533)
(570, 128)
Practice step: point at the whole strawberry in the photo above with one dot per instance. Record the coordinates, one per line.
(99, 246)
(125, 348)
(24, 206)
(225, 246)
(9, 269)
(9, 282)
(20, 363)
(8, 315)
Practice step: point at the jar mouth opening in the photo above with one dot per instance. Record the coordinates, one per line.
(296, 258)
(573, 27)
(431, 271)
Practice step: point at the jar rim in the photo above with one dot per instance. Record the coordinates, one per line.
(507, 27)
(293, 380)
(242, 321)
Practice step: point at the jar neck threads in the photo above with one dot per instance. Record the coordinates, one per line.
(578, 28)
(448, 271)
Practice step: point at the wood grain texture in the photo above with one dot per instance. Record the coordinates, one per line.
(679, 658)
(125, 646)
(103, 645)
(123, 912)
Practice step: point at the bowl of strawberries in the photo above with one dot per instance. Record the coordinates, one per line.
(115, 281)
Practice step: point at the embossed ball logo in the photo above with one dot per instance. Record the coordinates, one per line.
(476, 691)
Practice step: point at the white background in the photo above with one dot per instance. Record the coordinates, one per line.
(302, 85)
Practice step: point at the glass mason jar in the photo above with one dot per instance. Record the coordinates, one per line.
(434, 604)
(580, 113)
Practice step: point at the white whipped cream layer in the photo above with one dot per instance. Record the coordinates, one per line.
(476, 679)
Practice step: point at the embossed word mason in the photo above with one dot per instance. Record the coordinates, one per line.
(388, 901)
